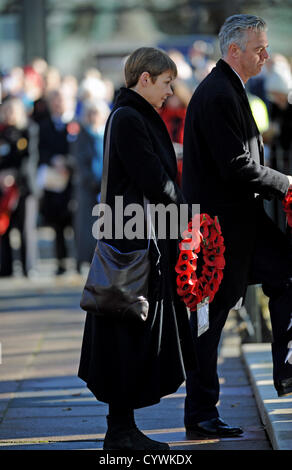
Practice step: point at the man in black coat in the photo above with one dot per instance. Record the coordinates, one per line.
(223, 170)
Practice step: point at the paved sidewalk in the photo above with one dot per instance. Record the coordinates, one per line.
(45, 406)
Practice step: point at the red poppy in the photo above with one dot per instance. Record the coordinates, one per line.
(205, 231)
(186, 255)
(184, 288)
(183, 278)
(195, 299)
(216, 250)
(183, 268)
(213, 235)
(185, 283)
(208, 270)
(213, 260)
(194, 276)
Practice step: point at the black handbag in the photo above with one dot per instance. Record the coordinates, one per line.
(117, 283)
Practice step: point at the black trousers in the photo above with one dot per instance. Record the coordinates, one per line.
(271, 266)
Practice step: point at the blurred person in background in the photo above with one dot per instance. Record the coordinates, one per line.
(55, 172)
(173, 114)
(24, 83)
(91, 87)
(200, 58)
(18, 162)
(69, 90)
(184, 70)
(13, 82)
(203, 71)
(260, 112)
(33, 86)
(87, 151)
(278, 136)
(40, 65)
(279, 88)
(198, 54)
(51, 80)
(257, 85)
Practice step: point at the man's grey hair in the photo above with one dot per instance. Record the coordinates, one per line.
(234, 30)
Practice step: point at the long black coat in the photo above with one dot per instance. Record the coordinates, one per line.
(223, 171)
(125, 364)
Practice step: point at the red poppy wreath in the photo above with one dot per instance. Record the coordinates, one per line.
(210, 242)
(287, 205)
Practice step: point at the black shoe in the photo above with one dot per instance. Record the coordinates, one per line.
(129, 437)
(285, 387)
(60, 271)
(214, 427)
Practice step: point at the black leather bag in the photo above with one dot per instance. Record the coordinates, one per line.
(117, 283)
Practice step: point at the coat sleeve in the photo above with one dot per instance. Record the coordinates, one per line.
(231, 154)
(135, 150)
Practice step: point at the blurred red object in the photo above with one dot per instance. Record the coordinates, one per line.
(8, 201)
(287, 205)
(31, 74)
(174, 119)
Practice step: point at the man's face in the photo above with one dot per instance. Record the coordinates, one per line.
(252, 59)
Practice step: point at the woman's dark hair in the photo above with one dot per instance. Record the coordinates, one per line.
(147, 59)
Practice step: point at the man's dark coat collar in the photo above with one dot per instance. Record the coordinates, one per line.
(237, 85)
(235, 80)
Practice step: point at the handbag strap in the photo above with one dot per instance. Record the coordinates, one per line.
(106, 160)
(104, 181)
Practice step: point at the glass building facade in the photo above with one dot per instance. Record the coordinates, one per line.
(73, 34)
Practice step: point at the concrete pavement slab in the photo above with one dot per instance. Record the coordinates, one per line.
(276, 413)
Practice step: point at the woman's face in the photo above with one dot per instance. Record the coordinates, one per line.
(157, 92)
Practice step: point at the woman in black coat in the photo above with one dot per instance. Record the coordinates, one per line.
(126, 365)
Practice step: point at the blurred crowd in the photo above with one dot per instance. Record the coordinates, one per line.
(51, 145)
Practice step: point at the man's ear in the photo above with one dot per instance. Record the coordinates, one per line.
(144, 78)
(234, 50)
